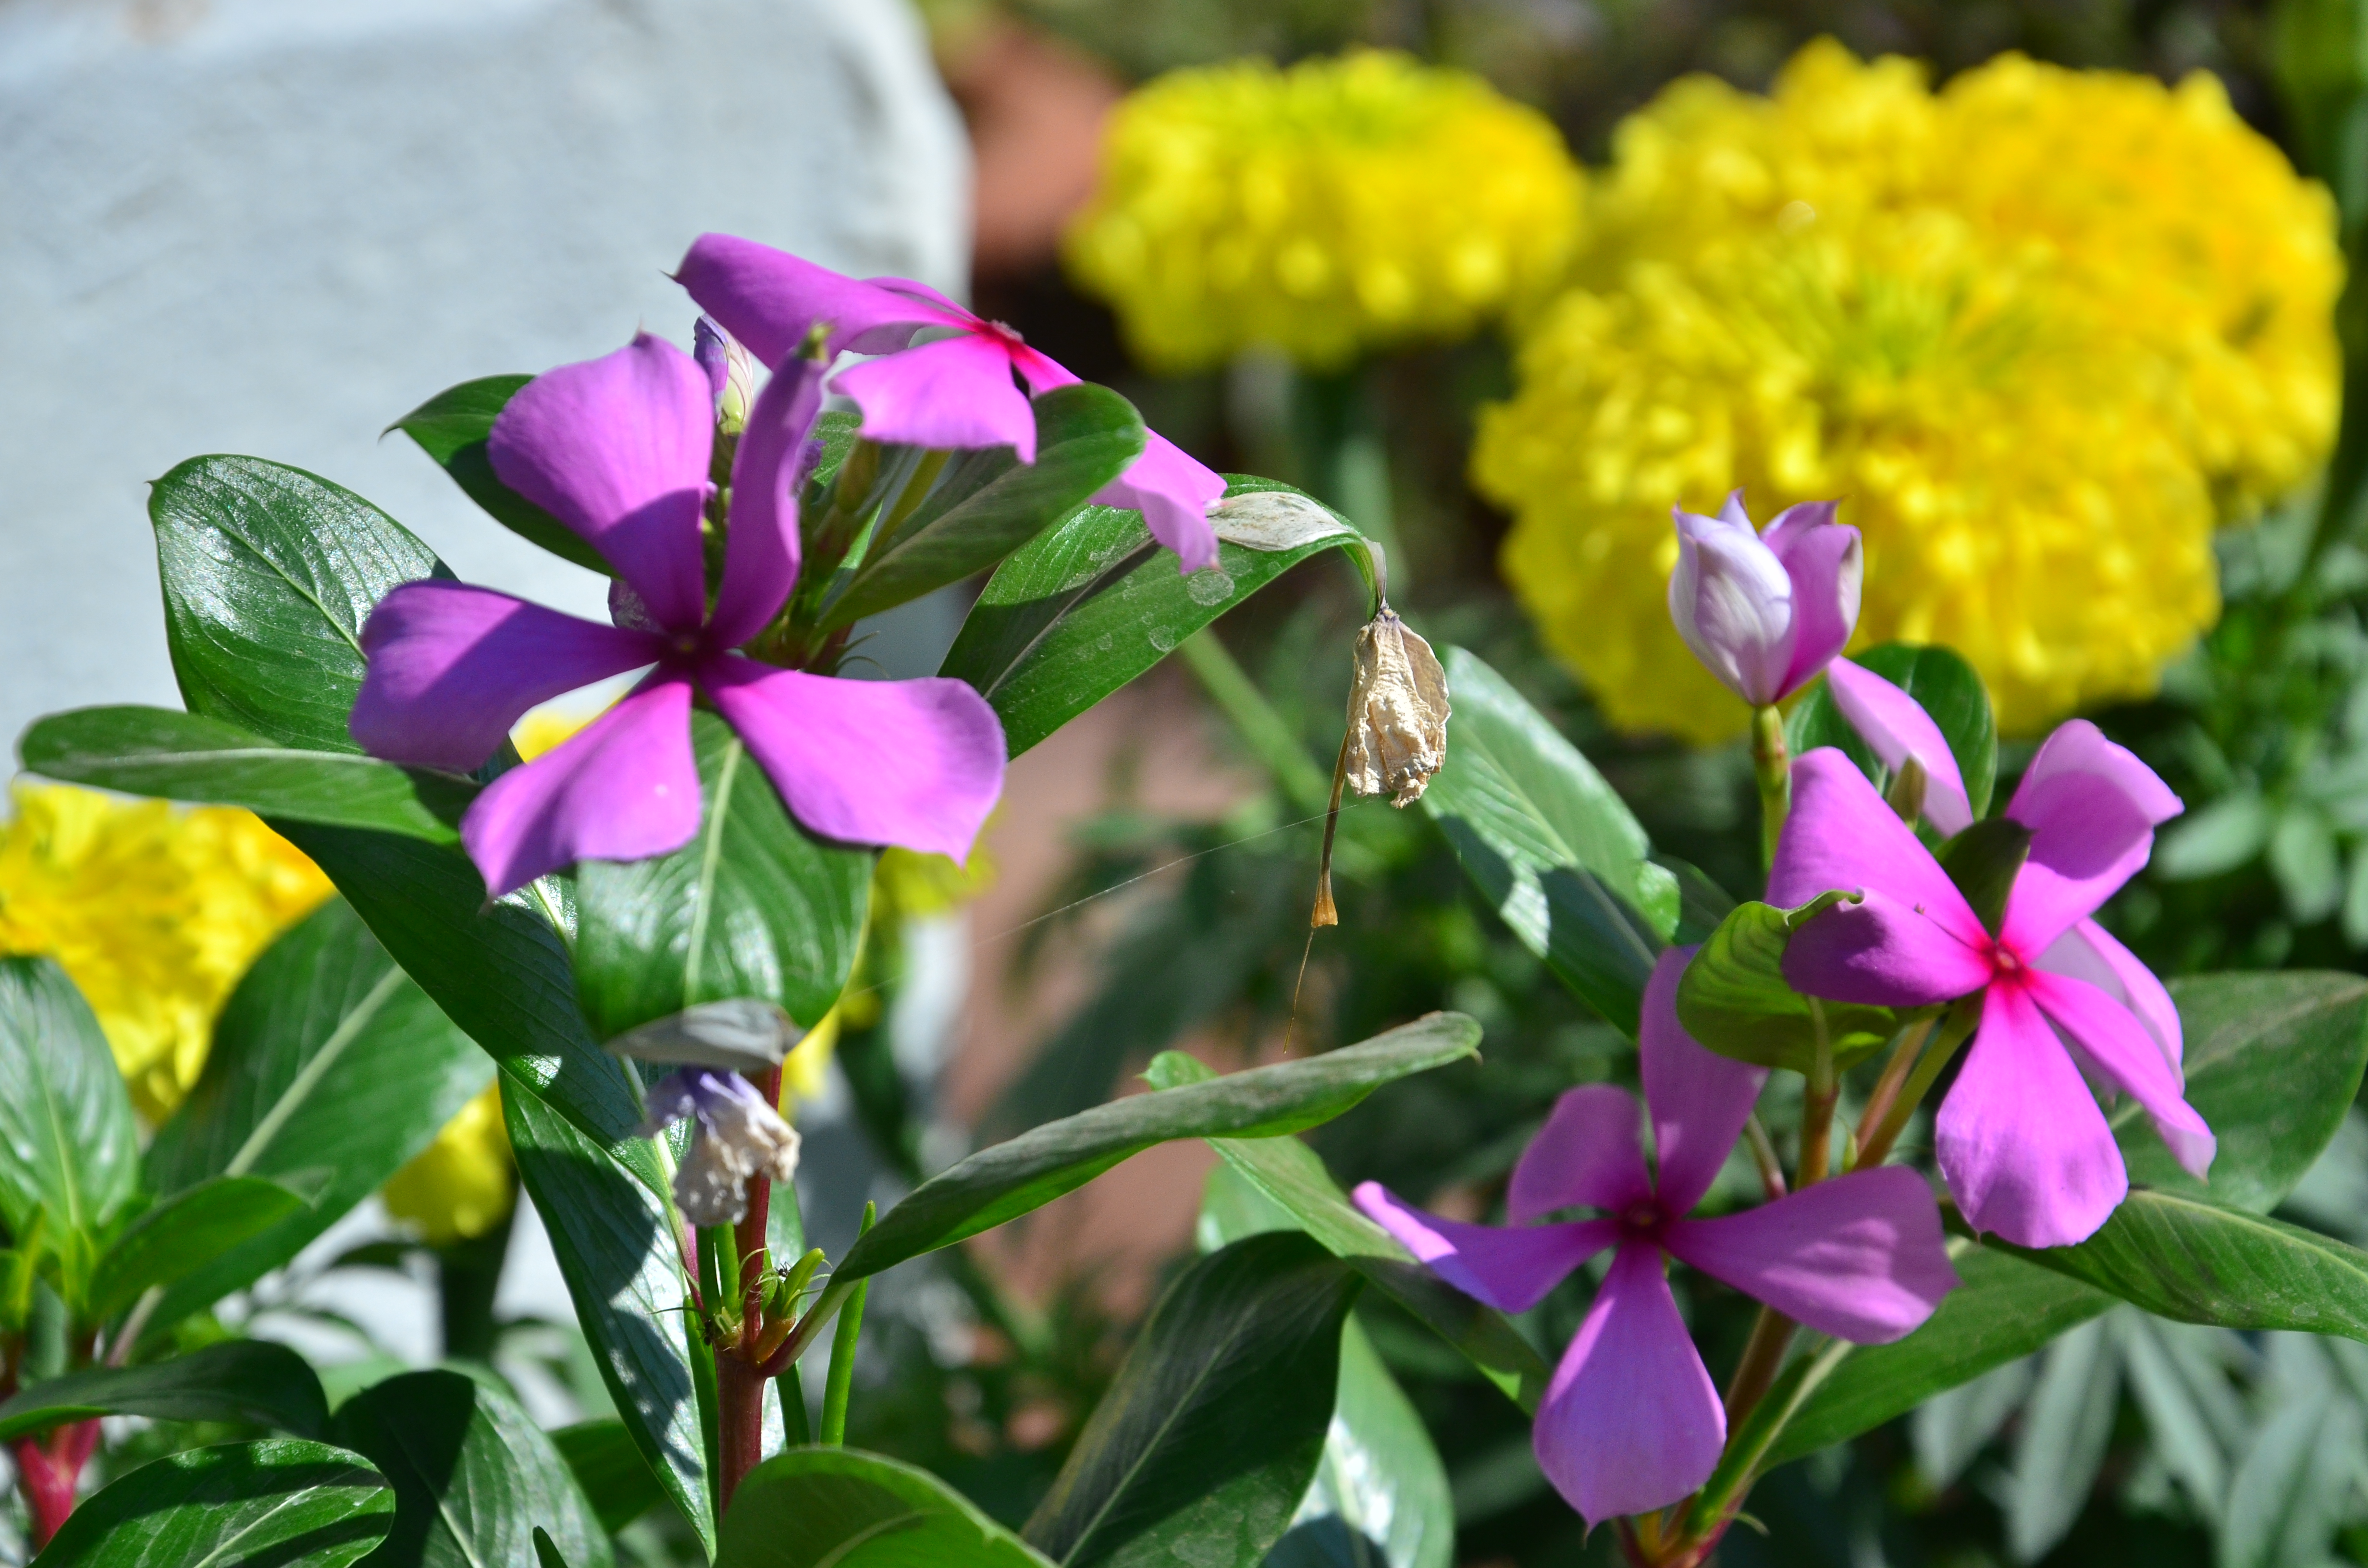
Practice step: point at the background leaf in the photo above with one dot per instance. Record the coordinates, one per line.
(1211, 1434)
(187, 1230)
(277, 1503)
(607, 1464)
(844, 1508)
(187, 756)
(473, 1476)
(1555, 852)
(240, 1379)
(2061, 1444)
(68, 1146)
(753, 906)
(451, 427)
(1090, 605)
(1949, 691)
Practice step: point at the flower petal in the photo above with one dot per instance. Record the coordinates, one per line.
(2092, 808)
(626, 788)
(1699, 1099)
(1589, 1153)
(2020, 1138)
(1896, 726)
(1631, 1422)
(955, 392)
(1511, 1268)
(1827, 568)
(1860, 1257)
(916, 763)
(1174, 491)
(769, 299)
(667, 1101)
(2090, 952)
(2119, 1044)
(453, 667)
(760, 550)
(617, 448)
(1733, 605)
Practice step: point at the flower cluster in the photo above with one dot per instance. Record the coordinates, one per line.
(2041, 329)
(153, 912)
(1322, 211)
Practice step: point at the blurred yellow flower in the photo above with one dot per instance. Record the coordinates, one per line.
(154, 910)
(459, 1187)
(2038, 332)
(1340, 205)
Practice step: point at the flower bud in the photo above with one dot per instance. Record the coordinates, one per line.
(730, 373)
(1765, 612)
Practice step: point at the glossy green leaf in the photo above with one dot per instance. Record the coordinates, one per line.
(614, 1239)
(274, 1504)
(187, 756)
(986, 504)
(845, 1508)
(1733, 997)
(2005, 1309)
(1090, 605)
(251, 1380)
(451, 427)
(473, 1476)
(1212, 1430)
(188, 1232)
(327, 1058)
(753, 906)
(269, 573)
(69, 1148)
(1949, 691)
(608, 1466)
(1289, 1177)
(1547, 842)
(1010, 1179)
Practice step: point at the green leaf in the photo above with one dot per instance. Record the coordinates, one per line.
(2273, 1061)
(187, 756)
(846, 1509)
(472, 1475)
(1983, 861)
(2182, 1257)
(2296, 1486)
(269, 573)
(2005, 1309)
(753, 906)
(274, 1504)
(1089, 606)
(1009, 1178)
(608, 1466)
(251, 1380)
(1211, 1433)
(326, 1058)
(546, 1554)
(451, 427)
(1551, 847)
(614, 1239)
(187, 1231)
(1734, 999)
(1289, 1178)
(69, 1148)
(986, 504)
(1949, 691)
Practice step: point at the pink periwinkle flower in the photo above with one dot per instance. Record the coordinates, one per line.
(1899, 729)
(735, 1134)
(954, 391)
(617, 450)
(1631, 1421)
(2020, 1139)
(1763, 612)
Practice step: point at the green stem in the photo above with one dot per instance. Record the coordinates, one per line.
(1772, 766)
(842, 1354)
(1817, 1106)
(1266, 732)
(1762, 1358)
(1958, 1025)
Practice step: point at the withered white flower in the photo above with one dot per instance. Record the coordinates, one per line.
(1397, 712)
(734, 1135)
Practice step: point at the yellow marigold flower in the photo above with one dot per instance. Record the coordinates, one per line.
(1338, 206)
(2038, 332)
(459, 1187)
(153, 911)
(805, 1070)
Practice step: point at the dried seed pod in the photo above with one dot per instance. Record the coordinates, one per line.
(1397, 712)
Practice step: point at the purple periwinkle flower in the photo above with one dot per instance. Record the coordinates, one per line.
(617, 450)
(2020, 1139)
(737, 1136)
(1899, 729)
(1631, 1421)
(954, 391)
(1764, 612)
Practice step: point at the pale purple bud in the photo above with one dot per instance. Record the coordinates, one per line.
(735, 1135)
(1765, 613)
(730, 373)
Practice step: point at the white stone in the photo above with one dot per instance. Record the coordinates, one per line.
(273, 226)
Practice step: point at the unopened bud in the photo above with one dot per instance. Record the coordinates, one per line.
(730, 373)
(1905, 795)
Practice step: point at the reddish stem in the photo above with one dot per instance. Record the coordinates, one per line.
(49, 1470)
(739, 1382)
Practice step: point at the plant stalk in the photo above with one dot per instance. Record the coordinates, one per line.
(739, 1378)
(1772, 765)
(1876, 1138)
(1886, 1088)
(1755, 1371)
(840, 1383)
(1817, 1106)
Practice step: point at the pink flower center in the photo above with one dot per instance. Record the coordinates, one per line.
(2005, 964)
(1006, 335)
(1642, 1220)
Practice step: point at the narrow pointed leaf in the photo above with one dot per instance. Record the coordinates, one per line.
(451, 427)
(240, 1379)
(273, 1504)
(188, 1232)
(844, 1508)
